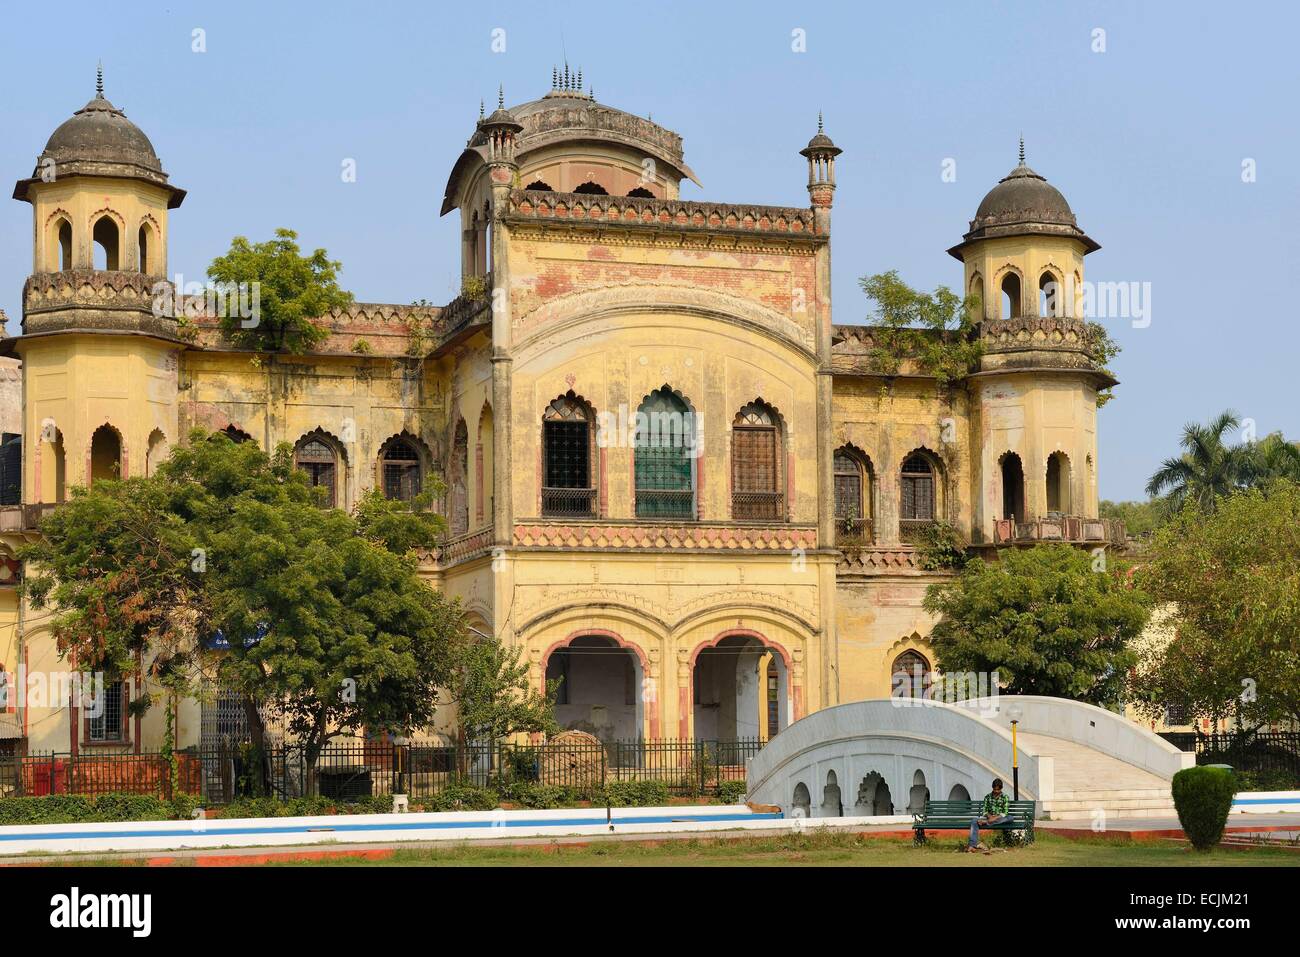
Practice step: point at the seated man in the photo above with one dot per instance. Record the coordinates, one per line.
(994, 811)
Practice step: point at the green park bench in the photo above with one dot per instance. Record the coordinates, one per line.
(957, 815)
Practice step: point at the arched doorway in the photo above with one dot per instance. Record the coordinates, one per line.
(831, 806)
(600, 687)
(874, 798)
(1013, 487)
(919, 794)
(740, 690)
(105, 454)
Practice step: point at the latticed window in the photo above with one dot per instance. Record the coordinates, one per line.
(459, 478)
(317, 460)
(910, 676)
(756, 465)
(917, 483)
(110, 723)
(400, 466)
(665, 441)
(567, 487)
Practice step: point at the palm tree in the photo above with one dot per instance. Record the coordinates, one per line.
(1274, 457)
(1208, 468)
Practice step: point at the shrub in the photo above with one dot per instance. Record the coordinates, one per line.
(1203, 798)
(636, 793)
(462, 796)
(731, 792)
(82, 809)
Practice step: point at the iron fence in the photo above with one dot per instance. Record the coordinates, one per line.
(351, 770)
(1257, 751)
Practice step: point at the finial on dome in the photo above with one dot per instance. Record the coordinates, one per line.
(579, 86)
(501, 96)
(99, 80)
(1022, 149)
(819, 122)
(480, 110)
(555, 78)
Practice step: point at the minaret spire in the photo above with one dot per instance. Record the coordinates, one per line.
(99, 80)
(1022, 149)
(501, 96)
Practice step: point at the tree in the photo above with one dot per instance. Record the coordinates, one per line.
(324, 623)
(1208, 468)
(293, 292)
(1044, 620)
(1140, 518)
(937, 331)
(494, 697)
(1230, 580)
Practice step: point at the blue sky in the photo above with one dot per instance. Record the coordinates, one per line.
(1146, 140)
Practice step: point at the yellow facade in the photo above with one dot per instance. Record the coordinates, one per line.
(726, 607)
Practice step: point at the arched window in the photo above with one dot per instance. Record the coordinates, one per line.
(917, 506)
(236, 435)
(483, 467)
(1010, 296)
(53, 464)
(63, 237)
(591, 188)
(910, 676)
(756, 465)
(977, 293)
(145, 248)
(156, 452)
(1058, 483)
(399, 468)
(1049, 296)
(107, 243)
(540, 186)
(665, 457)
(641, 193)
(1013, 487)
(458, 480)
(318, 460)
(568, 489)
(105, 454)
(853, 495)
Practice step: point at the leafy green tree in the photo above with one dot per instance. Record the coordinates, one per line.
(326, 625)
(294, 291)
(935, 330)
(490, 687)
(1273, 457)
(1045, 619)
(1230, 582)
(1140, 518)
(1208, 468)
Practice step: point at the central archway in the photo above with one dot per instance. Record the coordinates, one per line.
(740, 689)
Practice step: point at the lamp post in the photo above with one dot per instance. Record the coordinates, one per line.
(1014, 713)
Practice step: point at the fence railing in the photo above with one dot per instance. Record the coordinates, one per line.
(1245, 751)
(352, 770)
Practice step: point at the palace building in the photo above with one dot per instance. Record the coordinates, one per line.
(718, 586)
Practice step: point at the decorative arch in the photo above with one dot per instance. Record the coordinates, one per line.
(484, 465)
(323, 458)
(590, 188)
(643, 709)
(759, 473)
(458, 479)
(58, 243)
(149, 246)
(1051, 292)
(665, 459)
(568, 457)
(540, 186)
(1011, 471)
(910, 675)
(1058, 482)
(976, 289)
(401, 465)
(922, 477)
(1010, 283)
(157, 449)
(788, 691)
(855, 493)
(107, 230)
(641, 192)
(106, 454)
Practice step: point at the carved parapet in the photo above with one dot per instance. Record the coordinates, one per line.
(675, 214)
(96, 299)
(686, 537)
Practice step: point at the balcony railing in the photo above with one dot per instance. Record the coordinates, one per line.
(569, 502)
(1058, 528)
(853, 531)
(911, 530)
(665, 503)
(24, 518)
(757, 506)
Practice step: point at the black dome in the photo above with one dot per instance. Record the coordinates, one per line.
(1023, 203)
(99, 132)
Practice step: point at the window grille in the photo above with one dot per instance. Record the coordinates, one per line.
(917, 482)
(664, 464)
(401, 470)
(108, 724)
(910, 676)
(316, 459)
(755, 465)
(567, 487)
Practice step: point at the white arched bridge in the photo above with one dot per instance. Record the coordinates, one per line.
(887, 756)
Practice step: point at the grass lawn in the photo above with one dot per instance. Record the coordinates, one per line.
(819, 850)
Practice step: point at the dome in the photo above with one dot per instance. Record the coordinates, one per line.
(1023, 203)
(569, 114)
(98, 140)
(100, 132)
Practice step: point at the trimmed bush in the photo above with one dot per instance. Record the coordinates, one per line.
(81, 809)
(1203, 798)
(306, 806)
(731, 792)
(462, 796)
(637, 793)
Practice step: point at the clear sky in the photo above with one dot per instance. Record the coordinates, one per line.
(1146, 139)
